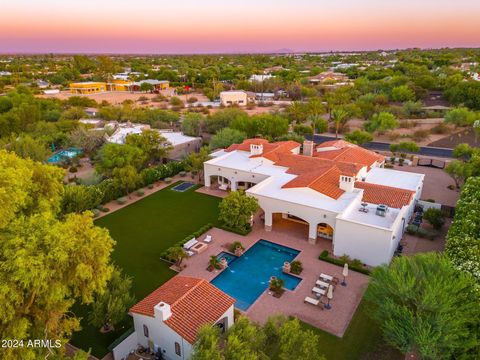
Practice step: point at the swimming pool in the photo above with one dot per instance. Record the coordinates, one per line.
(64, 154)
(247, 277)
(184, 186)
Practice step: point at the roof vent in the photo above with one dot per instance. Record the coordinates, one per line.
(382, 210)
(256, 149)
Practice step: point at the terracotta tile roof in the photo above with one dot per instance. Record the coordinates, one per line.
(194, 302)
(381, 194)
(347, 152)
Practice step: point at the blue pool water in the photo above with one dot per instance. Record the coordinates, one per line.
(63, 155)
(184, 186)
(226, 255)
(246, 278)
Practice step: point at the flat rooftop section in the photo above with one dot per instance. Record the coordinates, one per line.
(353, 213)
(177, 138)
(395, 178)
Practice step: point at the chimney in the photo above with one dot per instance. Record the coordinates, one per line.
(256, 149)
(162, 311)
(346, 183)
(308, 147)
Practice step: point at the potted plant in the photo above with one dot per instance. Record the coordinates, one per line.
(296, 267)
(286, 268)
(276, 286)
(213, 263)
(236, 248)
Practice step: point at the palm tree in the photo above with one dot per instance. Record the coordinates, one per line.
(339, 117)
(177, 254)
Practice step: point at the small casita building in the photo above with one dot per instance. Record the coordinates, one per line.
(167, 321)
(339, 190)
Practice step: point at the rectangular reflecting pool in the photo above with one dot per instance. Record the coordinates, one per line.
(247, 276)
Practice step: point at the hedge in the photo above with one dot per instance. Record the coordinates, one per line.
(463, 238)
(196, 234)
(236, 231)
(325, 257)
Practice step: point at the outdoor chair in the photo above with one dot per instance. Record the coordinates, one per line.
(326, 277)
(317, 290)
(208, 239)
(190, 253)
(322, 284)
(312, 301)
(190, 243)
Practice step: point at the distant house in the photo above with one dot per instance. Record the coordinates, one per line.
(328, 77)
(234, 97)
(5, 73)
(181, 144)
(87, 87)
(157, 84)
(168, 320)
(42, 84)
(91, 111)
(264, 96)
(260, 78)
(90, 87)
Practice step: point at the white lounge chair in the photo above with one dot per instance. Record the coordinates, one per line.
(312, 301)
(326, 277)
(317, 290)
(208, 239)
(190, 253)
(322, 284)
(190, 243)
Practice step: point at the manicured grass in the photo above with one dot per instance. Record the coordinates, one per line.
(142, 231)
(362, 340)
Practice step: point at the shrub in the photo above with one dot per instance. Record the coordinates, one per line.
(412, 229)
(420, 135)
(168, 180)
(296, 267)
(73, 169)
(234, 245)
(324, 254)
(276, 285)
(140, 192)
(439, 129)
(401, 161)
(122, 200)
(95, 212)
(182, 173)
(451, 187)
(434, 217)
(388, 166)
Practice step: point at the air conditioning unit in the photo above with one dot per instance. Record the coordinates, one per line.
(382, 210)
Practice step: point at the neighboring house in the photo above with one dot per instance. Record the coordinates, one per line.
(157, 84)
(42, 84)
(181, 144)
(87, 87)
(328, 77)
(90, 87)
(168, 320)
(264, 96)
(234, 97)
(91, 111)
(339, 190)
(93, 123)
(260, 78)
(5, 73)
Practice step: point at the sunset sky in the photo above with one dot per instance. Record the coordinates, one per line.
(212, 26)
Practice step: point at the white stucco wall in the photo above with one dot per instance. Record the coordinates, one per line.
(129, 344)
(233, 175)
(233, 97)
(369, 244)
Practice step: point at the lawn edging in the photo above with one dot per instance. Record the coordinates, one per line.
(325, 257)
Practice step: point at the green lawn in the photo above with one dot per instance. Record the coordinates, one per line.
(142, 231)
(362, 340)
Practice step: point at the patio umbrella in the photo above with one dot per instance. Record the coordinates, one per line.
(345, 274)
(329, 297)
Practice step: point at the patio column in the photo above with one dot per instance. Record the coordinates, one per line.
(208, 180)
(312, 233)
(233, 185)
(268, 220)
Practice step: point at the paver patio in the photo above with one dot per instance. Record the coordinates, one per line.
(291, 303)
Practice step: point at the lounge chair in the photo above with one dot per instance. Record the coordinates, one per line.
(190, 243)
(208, 239)
(322, 284)
(190, 253)
(326, 277)
(312, 301)
(315, 302)
(317, 290)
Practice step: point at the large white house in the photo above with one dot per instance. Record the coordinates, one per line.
(168, 320)
(339, 190)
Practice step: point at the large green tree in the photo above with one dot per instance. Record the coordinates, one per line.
(226, 137)
(236, 210)
(425, 305)
(112, 156)
(46, 264)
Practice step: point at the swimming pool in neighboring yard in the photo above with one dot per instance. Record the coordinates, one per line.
(63, 155)
(247, 276)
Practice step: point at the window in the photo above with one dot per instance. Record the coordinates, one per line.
(145, 330)
(177, 349)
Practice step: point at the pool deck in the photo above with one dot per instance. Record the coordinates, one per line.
(287, 233)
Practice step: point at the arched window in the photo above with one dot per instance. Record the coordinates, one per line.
(145, 330)
(177, 349)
